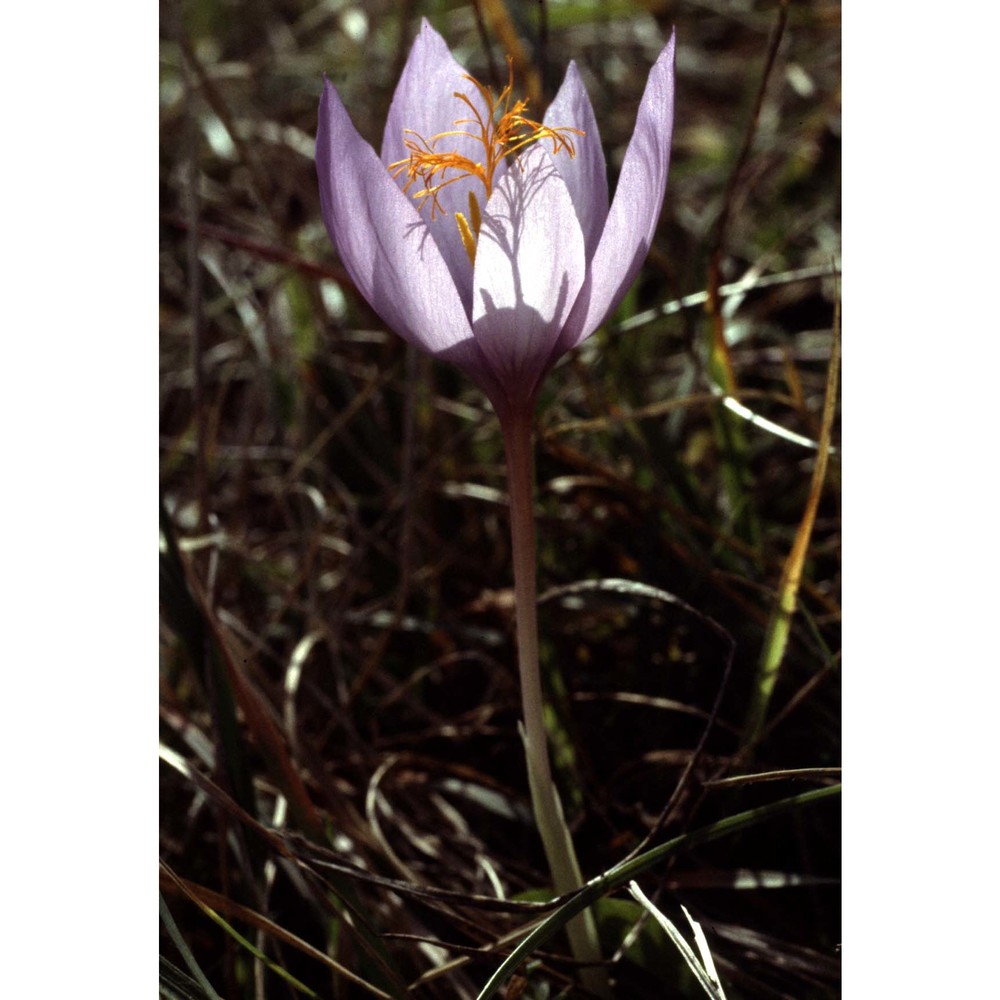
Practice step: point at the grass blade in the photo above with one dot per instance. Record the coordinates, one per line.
(181, 945)
(624, 873)
(779, 628)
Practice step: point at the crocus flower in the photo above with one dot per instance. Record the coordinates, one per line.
(486, 238)
(481, 235)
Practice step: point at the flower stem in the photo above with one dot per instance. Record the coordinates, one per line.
(516, 426)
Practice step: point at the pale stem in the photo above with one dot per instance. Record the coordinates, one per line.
(516, 426)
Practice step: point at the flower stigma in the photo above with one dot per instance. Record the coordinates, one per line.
(503, 131)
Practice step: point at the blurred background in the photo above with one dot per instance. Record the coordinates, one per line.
(339, 690)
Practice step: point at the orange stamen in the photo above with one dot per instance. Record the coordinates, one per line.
(503, 131)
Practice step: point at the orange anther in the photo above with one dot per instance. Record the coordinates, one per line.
(504, 130)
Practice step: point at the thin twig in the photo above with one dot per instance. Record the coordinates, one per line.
(720, 347)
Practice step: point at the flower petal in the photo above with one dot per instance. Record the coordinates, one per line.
(635, 210)
(530, 264)
(585, 174)
(383, 242)
(425, 104)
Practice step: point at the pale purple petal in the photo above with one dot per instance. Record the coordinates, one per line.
(635, 210)
(383, 242)
(425, 103)
(530, 264)
(585, 174)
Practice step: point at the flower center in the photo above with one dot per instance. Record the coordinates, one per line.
(503, 130)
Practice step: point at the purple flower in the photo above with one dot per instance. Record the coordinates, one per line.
(495, 263)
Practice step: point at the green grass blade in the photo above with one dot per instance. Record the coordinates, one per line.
(176, 984)
(181, 945)
(622, 874)
(780, 625)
